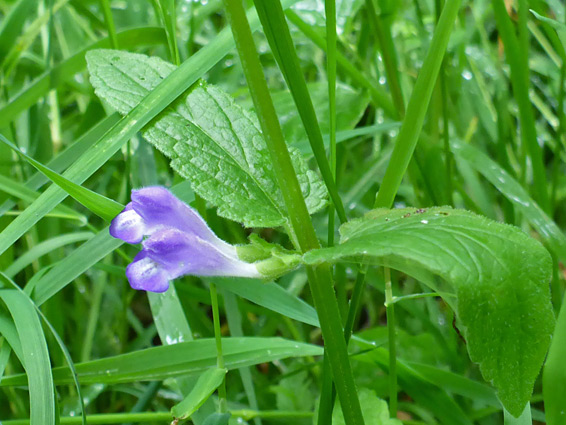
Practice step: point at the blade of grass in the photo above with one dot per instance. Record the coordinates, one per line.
(418, 104)
(100, 205)
(271, 296)
(22, 192)
(60, 342)
(25, 40)
(169, 18)
(554, 373)
(379, 97)
(73, 265)
(12, 25)
(515, 193)
(520, 82)
(330, 13)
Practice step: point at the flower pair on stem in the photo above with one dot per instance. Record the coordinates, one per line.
(176, 242)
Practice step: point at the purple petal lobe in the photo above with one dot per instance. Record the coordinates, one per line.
(161, 209)
(128, 226)
(145, 274)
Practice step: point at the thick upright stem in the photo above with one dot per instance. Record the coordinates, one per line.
(320, 278)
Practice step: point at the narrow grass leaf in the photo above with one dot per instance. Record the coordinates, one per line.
(73, 265)
(24, 193)
(554, 374)
(36, 357)
(515, 193)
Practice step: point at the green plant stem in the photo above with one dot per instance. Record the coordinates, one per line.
(379, 97)
(520, 82)
(390, 312)
(385, 42)
(417, 107)
(169, 18)
(328, 393)
(320, 278)
(445, 120)
(330, 11)
(277, 31)
(109, 23)
(223, 405)
(162, 417)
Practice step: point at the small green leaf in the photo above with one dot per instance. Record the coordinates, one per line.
(204, 387)
(210, 140)
(499, 275)
(375, 410)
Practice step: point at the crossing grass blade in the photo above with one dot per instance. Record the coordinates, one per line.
(379, 97)
(10, 335)
(418, 104)
(554, 374)
(60, 342)
(184, 358)
(206, 384)
(44, 248)
(234, 319)
(515, 193)
(22, 192)
(73, 265)
(100, 205)
(516, 56)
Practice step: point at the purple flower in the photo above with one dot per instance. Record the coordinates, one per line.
(177, 242)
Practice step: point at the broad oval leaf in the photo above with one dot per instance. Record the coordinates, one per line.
(500, 277)
(210, 140)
